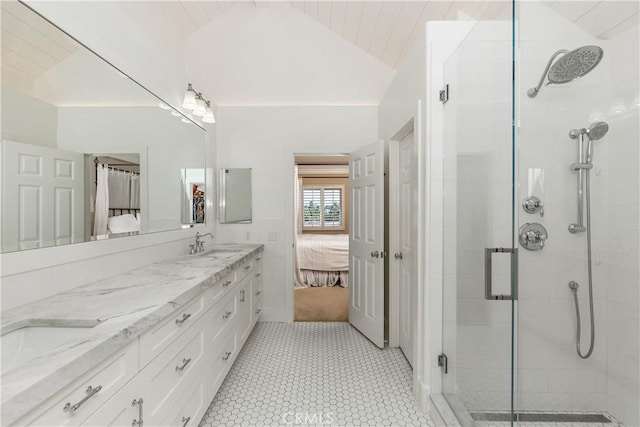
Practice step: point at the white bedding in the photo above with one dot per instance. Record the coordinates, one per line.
(324, 252)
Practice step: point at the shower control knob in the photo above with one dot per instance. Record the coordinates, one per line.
(532, 204)
(533, 236)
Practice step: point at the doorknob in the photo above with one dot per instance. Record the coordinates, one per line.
(375, 254)
(398, 255)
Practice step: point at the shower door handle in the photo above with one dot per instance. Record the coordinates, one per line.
(488, 279)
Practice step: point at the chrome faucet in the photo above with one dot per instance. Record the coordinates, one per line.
(198, 246)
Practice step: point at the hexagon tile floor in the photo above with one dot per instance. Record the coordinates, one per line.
(320, 374)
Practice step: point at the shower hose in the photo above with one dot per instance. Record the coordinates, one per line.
(589, 272)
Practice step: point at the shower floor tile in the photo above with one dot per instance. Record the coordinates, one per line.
(315, 374)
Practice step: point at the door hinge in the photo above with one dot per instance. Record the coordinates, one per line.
(443, 362)
(444, 94)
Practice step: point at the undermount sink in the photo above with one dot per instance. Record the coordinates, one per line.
(222, 250)
(25, 344)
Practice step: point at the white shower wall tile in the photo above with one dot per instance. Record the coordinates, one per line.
(315, 374)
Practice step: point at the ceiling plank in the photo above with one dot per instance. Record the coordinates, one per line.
(386, 23)
(324, 13)
(311, 9)
(437, 10)
(211, 8)
(606, 15)
(29, 51)
(368, 22)
(621, 27)
(338, 14)
(352, 20)
(463, 10)
(402, 31)
(196, 13)
(573, 10)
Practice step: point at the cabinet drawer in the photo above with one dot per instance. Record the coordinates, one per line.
(226, 347)
(219, 289)
(119, 410)
(192, 409)
(154, 341)
(108, 378)
(167, 376)
(245, 268)
(224, 316)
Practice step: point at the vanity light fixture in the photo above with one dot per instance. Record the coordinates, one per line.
(208, 114)
(200, 107)
(189, 98)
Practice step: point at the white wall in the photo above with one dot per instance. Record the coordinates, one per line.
(19, 127)
(266, 139)
(277, 55)
(105, 28)
(405, 101)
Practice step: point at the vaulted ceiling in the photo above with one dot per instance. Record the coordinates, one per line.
(386, 29)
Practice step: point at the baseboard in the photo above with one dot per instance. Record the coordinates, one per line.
(273, 315)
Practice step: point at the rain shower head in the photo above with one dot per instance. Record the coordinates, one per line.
(597, 130)
(571, 66)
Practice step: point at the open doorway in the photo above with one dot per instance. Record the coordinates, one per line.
(321, 238)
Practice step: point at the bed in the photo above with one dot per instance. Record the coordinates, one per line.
(323, 259)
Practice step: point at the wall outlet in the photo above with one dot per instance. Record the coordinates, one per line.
(247, 235)
(273, 236)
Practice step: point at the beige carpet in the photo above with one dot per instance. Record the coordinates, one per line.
(322, 304)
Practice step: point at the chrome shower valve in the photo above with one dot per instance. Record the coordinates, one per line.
(532, 204)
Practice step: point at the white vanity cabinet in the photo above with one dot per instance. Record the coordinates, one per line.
(76, 402)
(170, 374)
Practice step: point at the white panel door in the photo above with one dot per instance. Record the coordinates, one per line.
(43, 197)
(405, 257)
(366, 242)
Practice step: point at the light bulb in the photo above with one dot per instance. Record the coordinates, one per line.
(189, 98)
(208, 114)
(200, 107)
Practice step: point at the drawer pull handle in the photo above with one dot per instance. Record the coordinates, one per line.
(242, 295)
(258, 311)
(139, 422)
(246, 267)
(258, 292)
(184, 317)
(258, 259)
(258, 274)
(185, 362)
(226, 355)
(226, 315)
(227, 283)
(185, 421)
(90, 393)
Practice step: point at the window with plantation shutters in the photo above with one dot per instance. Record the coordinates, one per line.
(322, 208)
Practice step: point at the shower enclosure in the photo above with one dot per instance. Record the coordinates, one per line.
(541, 245)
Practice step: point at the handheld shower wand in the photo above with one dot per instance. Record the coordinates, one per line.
(595, 132)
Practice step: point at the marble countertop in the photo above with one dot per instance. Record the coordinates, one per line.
(118, 309)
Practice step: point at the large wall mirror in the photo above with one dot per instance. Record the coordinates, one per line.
(87, 153)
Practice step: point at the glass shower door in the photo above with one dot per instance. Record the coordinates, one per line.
(479, 256)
